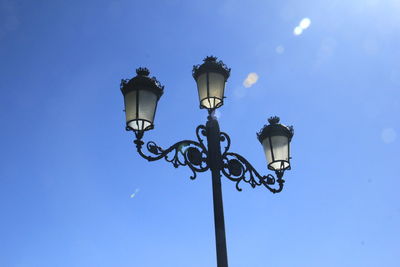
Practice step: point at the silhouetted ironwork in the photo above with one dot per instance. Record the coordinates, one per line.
(141, 95)
(194, 155)
(183, 153)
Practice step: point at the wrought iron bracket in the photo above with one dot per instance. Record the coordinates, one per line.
(194, 154)
(183, 153)
(236, 168)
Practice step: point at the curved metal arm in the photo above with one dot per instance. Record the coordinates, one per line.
(236, 168)
(184, 153)
(194, 154)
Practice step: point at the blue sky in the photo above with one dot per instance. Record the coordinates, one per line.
(68, 169)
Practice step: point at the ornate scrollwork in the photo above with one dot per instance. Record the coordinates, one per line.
(194, 154)
(236, 168)
(224, 138)
(184, 153)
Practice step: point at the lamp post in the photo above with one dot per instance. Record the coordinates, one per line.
(141, 94)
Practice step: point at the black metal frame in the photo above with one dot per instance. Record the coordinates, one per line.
(185, 153)
(201, 156)
(194, 154)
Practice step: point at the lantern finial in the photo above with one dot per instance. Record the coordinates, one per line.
(273, 120)
(210, 59)
(142, 71)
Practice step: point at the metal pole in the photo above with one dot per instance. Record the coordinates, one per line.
(215, 162)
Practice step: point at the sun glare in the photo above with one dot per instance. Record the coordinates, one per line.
(297, 30)
(305, 23)
(251, 79)
(388, 135)
(280, 49)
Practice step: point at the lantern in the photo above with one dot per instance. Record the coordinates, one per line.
(211, 77)
(141, 95)
(275, 139)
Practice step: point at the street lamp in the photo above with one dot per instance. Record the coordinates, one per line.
(211, 150)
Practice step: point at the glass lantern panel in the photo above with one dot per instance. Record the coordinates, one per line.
(130, 106)
(147, 105)
(211, 94)
(279, 159)
(202, 86)
(140, 114)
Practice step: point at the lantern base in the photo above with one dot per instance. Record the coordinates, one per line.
(211, 103)
(279, 165)
(139, 125)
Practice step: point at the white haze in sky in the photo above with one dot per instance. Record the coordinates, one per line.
(251, 79)
(304, 24)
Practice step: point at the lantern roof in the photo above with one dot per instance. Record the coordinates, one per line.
(211, 65)
(274, 128)
(142, 81)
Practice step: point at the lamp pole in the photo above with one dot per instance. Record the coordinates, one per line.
(141, 95)
(215, 163)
